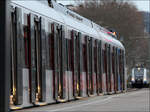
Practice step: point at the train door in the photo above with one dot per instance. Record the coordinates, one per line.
(37, 59)
(69, 66)
(81, 74)
(108, 69)
(84, 66)
(56, 73)
(116, 60)
(104, 63)
(66, 92)
(74, 61)
(17, 57)
(86, 58)
(100, 63)
(94, 60)
(90, 65)
(107, 66)
(48, 66)
(111, 70)
(114, 67)
(124, 77)
(92, 70)
(55, 50)
(122, 70)
(60, 47)
(118, 69)
(96, 64)
(79, 65)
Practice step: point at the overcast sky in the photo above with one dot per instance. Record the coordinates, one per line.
(142, 5)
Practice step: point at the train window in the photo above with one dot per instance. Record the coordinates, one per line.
(68, 42)
(69, 54)
(113, 64)
(26, 39)
(80, 50)
(123, 70)
(91, 55)
(84, 53)
(120, 63)
(62, 48)
(109, 63)
(95, 56)
(52, 47)
(100, 63)
(72, 49)
(86, 57)
(48, 44)
(105, 59)
(117, 65)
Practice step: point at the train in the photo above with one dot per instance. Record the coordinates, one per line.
(59, 56)
(140, 77)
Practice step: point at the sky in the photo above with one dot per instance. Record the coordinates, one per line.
(142, 5)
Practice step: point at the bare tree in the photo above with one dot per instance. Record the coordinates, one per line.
(121, 16)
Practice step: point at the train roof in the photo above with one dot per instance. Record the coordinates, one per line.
(65, 16)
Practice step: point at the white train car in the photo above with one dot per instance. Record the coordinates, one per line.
(58, 55)
(140, 77)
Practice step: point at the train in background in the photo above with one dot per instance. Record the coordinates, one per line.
(58, 55)
(140, 77)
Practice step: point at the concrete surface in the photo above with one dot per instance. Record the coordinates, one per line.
(135, 101)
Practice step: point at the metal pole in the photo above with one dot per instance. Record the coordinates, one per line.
(4, 56)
